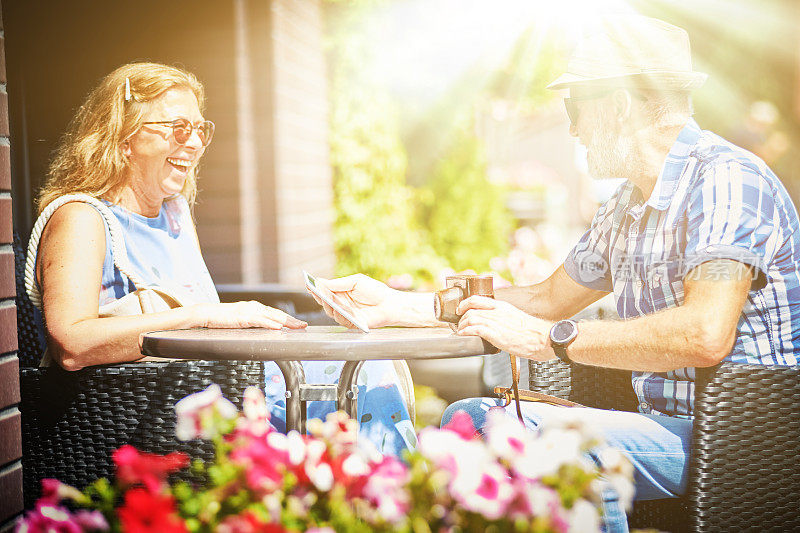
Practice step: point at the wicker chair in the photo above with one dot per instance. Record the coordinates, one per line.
(746, 441)
(72, 421)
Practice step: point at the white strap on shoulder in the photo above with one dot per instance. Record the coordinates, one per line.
(119, 252)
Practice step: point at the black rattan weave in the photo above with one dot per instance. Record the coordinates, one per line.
(29, 330)
(603, 388)
(72, 421)
(744, 474)
(746, 447)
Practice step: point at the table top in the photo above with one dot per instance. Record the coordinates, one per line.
(313, 343)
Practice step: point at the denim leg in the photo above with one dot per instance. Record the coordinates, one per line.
(657, 446)
(614, 518)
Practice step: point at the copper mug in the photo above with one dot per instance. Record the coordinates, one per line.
(458, 288)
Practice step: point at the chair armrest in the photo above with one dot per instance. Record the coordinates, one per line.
(746, 446)
(593, 386)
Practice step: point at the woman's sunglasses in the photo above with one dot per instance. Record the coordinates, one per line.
(182, 130)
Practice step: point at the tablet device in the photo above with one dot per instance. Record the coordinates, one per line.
(311, 283)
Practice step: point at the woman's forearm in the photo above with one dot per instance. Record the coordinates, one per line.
(98, 341)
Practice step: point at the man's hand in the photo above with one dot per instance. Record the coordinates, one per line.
(506, 327)
(363, 296)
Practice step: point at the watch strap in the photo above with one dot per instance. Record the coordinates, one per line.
(561, 353)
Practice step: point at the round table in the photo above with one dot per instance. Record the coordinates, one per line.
(287, 347)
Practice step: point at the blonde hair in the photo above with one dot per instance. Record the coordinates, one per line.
(89, 158)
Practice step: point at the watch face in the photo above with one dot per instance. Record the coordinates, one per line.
(563, 331)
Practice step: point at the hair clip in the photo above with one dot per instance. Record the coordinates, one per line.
(127, 89)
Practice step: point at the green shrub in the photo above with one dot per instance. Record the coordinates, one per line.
(375, 229)
(462, 210)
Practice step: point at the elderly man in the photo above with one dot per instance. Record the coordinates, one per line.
(700, 247)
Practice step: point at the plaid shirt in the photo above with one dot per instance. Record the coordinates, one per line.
(712, 200)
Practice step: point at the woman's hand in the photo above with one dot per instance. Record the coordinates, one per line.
(506, 327)
(244, 315)
(375, 302)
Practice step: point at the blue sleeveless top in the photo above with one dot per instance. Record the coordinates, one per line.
(162, 250)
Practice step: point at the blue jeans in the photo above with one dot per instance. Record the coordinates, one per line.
(657, 446)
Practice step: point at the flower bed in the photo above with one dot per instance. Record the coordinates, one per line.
(263, 480)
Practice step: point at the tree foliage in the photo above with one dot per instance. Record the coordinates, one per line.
(464, 213)
(375, 229)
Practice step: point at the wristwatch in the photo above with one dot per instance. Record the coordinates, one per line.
(562, 334)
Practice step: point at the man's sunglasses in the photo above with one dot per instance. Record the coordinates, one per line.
(182, 130)
(571, 104)
(573, 110)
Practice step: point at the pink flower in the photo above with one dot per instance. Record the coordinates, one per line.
(255, 422)
(385, 488)
(91, 520)
(247, 522)
(149, 469)
(461, 424)
(53, 491)
(199, 414)
(533, 499)
(506, 437)
(46, 518)
(484, 489)
(264, 464)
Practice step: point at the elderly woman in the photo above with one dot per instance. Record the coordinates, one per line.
(128, 165)
(134, 145)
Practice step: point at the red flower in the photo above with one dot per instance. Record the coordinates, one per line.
(144, 512)
(150, 469)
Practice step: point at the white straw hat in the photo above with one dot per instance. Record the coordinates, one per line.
(631, 48)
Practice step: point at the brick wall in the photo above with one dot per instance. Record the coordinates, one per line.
(303, 184)
(10, 440)
(266, 202)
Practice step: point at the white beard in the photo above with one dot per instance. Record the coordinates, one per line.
(609, 154)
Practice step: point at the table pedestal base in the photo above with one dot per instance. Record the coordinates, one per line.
(298, 392)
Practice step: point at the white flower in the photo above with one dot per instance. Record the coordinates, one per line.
(539, 499)
(583, 517)
(314, 451)
(278, 441)
(320, 475)
(618, 472)
(196, 413)
(296, 447)
(355, 465)
(506, 437)
(444, 448)
(554, 447)
(254, 405)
